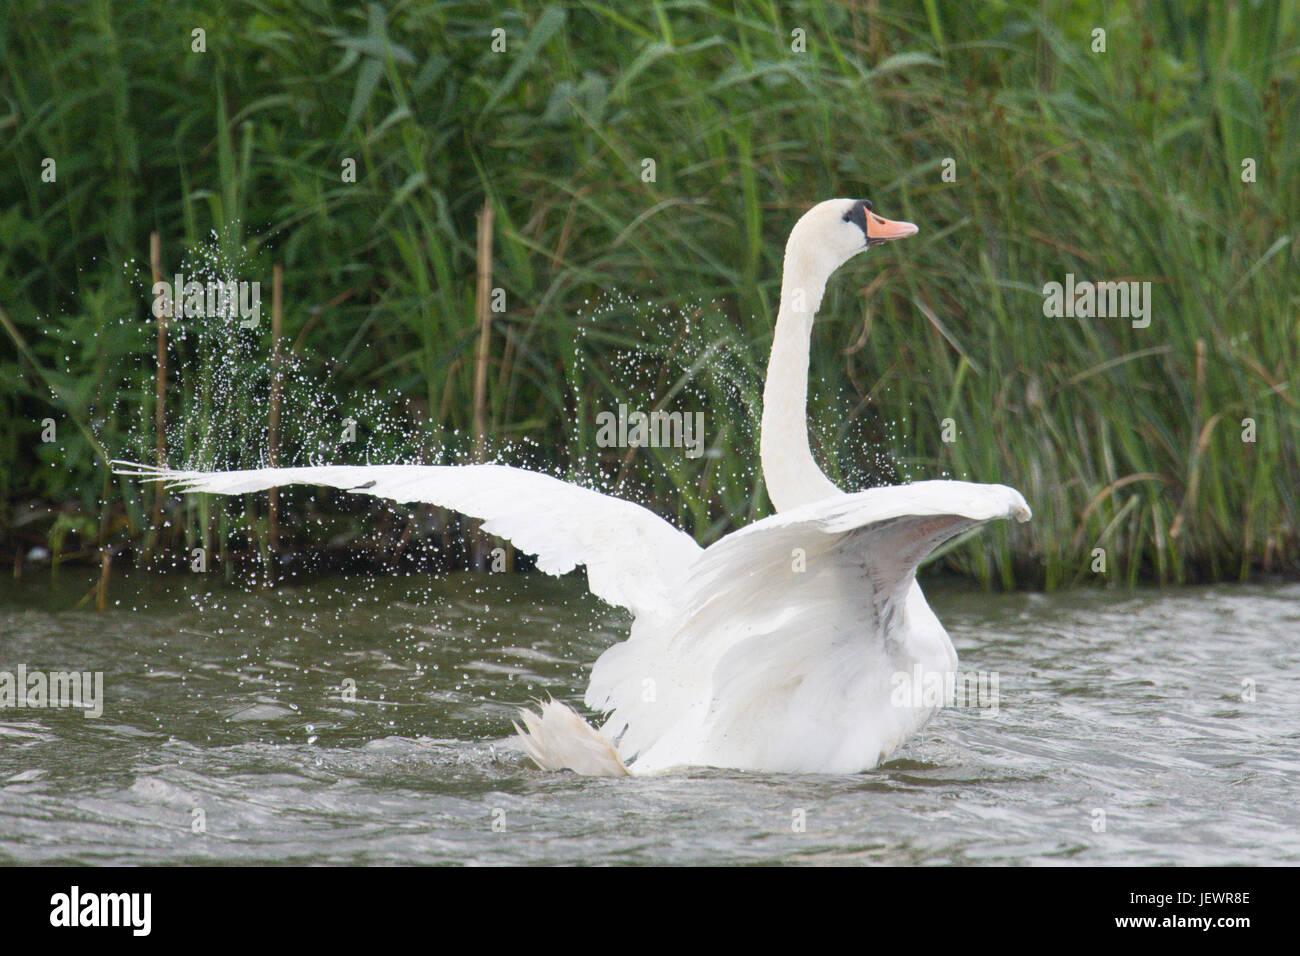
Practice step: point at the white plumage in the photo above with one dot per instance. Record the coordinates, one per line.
(775, 648)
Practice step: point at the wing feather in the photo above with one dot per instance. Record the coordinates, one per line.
(634, 558)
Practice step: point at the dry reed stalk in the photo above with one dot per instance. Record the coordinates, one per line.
(160, 398)
(273, 419)
(483, 311)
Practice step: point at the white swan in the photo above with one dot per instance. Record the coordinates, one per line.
(774, 649)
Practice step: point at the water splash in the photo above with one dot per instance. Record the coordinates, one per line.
(219, 376)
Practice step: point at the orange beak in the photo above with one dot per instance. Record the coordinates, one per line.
(881, 230)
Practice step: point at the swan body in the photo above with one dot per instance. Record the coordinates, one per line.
(776, 648)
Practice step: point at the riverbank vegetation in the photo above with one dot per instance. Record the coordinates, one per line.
(641, 166)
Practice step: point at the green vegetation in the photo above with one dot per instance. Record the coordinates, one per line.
(1122, 165)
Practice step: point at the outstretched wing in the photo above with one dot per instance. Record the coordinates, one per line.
(875, 540)
(633, 557)
(791, 631)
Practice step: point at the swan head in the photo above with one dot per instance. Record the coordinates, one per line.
(833, 232)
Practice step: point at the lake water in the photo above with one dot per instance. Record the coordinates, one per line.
(224, 714)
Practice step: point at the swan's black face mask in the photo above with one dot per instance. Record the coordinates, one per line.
(876, 230)
(857, 215)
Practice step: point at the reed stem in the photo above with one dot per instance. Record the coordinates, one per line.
(483, 309)
(160, 401)
(273, 421)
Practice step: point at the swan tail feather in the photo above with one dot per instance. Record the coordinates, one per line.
(556, 738)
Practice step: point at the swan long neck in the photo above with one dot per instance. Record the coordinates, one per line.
(789, 471)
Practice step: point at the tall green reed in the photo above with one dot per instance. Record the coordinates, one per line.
(1118, 165)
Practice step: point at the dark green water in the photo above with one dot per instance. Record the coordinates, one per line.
(229, 701)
